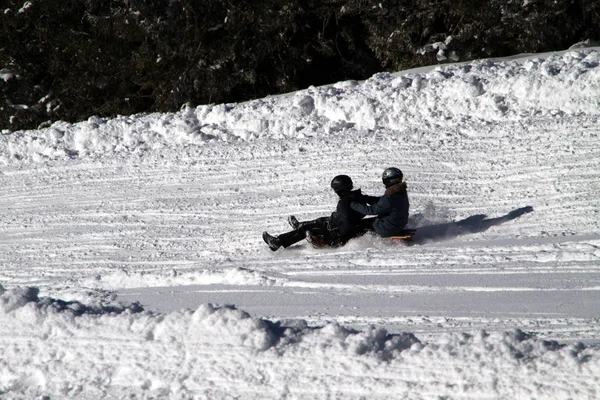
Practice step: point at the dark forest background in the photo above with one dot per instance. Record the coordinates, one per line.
(71, 59)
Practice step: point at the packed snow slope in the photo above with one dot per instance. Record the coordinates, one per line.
(132, 264)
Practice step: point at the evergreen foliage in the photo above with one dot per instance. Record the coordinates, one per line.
(72, 59)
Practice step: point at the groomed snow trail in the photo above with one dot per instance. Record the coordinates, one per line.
(503, 167)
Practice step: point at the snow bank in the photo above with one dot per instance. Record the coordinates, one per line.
(69, 350)
(448, 95)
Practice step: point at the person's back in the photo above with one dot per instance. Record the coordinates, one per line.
(392, 208)
(345, 219)
(395, 208)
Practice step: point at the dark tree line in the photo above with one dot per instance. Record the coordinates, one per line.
(71, 59)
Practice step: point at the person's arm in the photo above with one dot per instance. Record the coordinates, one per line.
(370, 199)
(364, 199)
(381, 207)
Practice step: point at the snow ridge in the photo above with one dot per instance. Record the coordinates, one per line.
(558, 86)
(511, 363)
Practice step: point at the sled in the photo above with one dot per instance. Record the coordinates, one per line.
(406, 234)
(319, 242)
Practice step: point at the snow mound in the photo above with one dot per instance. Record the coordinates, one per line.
(28, 298)
(449, 95)
(54, 350)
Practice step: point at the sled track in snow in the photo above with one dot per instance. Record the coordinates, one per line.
(73, 225)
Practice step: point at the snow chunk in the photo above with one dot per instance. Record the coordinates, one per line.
(26, 6)
(16, 298)
(8, 74)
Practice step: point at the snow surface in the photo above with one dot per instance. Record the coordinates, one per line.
(132, 264)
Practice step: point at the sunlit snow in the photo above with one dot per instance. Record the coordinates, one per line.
(132, 264)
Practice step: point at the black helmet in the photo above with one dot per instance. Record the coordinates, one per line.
(341, 184)
(391, 176)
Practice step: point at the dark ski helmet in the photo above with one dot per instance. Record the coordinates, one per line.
(391, 176)
(341, 184)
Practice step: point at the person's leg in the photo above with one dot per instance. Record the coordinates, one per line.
(317, 226)
(295, 224)
(365, 225)
(292, 237)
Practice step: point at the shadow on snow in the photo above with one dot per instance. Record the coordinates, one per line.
(473, 224)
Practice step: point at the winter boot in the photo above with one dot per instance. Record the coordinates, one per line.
(293, 221)
(272, 241)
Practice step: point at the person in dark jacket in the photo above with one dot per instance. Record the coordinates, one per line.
(391, 209)
(335, 230)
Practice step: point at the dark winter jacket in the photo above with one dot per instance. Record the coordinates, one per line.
(344, 219)
(391, 210)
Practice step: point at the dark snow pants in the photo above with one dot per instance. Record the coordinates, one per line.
(316, 227)
(320, 227)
